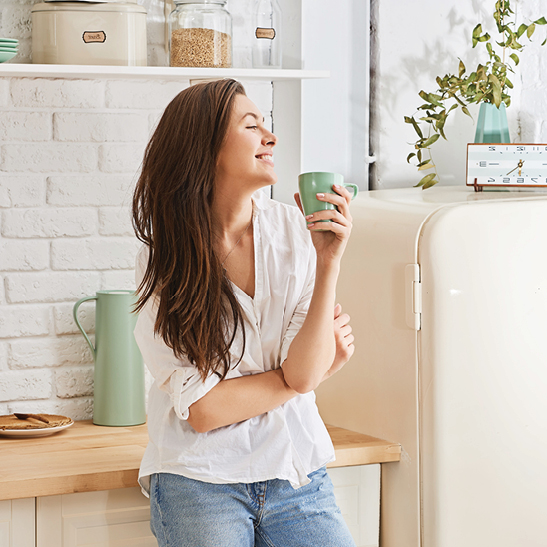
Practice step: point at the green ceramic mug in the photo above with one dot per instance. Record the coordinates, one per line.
(320, 182)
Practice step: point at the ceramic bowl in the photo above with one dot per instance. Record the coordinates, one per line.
(6, 56)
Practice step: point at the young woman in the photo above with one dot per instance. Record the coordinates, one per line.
(238, 325)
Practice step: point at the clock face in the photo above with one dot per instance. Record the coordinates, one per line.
(506, 165)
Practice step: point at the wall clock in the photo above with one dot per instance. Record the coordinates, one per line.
(508, 165)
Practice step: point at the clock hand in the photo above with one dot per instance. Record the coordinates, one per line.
(519, 167)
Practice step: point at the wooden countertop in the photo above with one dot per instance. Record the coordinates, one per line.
(86, 458)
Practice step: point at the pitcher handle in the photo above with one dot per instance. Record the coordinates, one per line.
(75, 314)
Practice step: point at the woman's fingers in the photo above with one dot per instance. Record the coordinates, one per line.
(335, 227)
(329, 214)
(341, 320)
(344, 331)
(341, 199)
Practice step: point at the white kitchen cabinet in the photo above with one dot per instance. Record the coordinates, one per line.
(17, 523)
(357, 491)
(107, 518)
(121, 518)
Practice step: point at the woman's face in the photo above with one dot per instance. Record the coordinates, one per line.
(246, 157)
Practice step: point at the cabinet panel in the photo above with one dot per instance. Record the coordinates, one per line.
(120, 518)
(17, 519)
(112, 518)
(357, 491)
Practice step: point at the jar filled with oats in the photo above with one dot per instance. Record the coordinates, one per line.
(200, 34)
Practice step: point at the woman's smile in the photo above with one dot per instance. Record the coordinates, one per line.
(267, 157)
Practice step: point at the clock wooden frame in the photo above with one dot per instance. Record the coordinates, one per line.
(506, 165)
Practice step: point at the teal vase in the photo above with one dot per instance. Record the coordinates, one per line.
(492, 124)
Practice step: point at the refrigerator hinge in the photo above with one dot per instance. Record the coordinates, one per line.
(413, 296)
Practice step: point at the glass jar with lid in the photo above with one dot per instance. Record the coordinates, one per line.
(200, 34)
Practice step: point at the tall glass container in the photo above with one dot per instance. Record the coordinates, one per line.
(267, 34)
(200, 34)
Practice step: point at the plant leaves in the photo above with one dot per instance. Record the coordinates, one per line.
(541, 21)
(410, 156)
(426, 179)
(530, 30)
(434, 99)
(412, 121)
(515, 58)
(496, 89)
(429, 184)
(426, 167)
(461, 68)
(477, 31)
(466, 111)
(434, 138)
(521, 30)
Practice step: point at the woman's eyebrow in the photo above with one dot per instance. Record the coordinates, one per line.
(253, 115)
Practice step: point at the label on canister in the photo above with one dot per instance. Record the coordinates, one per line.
(268, 33)
(94, 36)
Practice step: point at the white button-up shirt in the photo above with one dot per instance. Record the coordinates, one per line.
(288, 442)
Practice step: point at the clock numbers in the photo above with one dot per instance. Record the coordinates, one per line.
(519, 165)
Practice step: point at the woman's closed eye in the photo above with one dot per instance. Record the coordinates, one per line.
(252, 127)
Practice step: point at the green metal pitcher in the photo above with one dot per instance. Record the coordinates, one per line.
(119, 368)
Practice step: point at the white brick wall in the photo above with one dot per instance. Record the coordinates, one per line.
(70, 152)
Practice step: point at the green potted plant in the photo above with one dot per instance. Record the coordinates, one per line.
(488, 85)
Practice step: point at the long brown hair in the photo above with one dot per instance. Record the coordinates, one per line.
(198, 313)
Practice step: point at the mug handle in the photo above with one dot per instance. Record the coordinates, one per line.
(355, 189)
(75, 314)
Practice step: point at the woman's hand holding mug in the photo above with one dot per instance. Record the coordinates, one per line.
(324, 200)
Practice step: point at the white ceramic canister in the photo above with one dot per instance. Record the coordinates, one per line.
(82, 33)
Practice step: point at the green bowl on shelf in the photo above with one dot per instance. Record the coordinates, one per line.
(7, 55)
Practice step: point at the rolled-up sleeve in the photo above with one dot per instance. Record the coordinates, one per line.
(301, 310)
(177, 377)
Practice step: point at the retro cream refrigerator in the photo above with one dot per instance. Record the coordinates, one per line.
(447, 292)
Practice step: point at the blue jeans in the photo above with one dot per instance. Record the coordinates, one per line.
(190, 513)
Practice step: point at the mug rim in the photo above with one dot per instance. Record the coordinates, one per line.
(320, 173)
(116, 291)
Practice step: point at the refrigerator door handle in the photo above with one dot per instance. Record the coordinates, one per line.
(413, 296)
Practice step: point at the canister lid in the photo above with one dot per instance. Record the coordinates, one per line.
(127, 7)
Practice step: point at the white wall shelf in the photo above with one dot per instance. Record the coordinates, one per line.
(13, 70)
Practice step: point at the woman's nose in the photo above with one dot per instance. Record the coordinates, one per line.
(269, 139)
